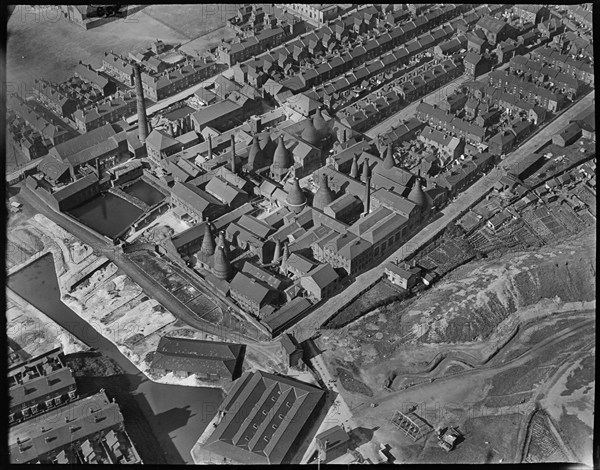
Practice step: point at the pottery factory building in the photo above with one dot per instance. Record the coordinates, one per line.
(262, 420)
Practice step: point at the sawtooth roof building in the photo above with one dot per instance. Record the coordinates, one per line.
(262, 417)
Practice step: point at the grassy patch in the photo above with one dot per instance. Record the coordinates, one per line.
(380, 294)
(580, 377)
(578, 436)
(519, 379)
(508, 400)
(350, 383)
(92, 365)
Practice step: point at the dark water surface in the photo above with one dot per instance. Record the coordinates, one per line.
(107, 214)
(145, 192)
(177, 414)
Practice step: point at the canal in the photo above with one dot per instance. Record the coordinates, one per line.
(107, 214)
(145, 192)
(177, 415)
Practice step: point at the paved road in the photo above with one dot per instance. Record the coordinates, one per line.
(307, 327)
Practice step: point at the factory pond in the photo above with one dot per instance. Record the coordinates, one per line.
(108, 214)
(144, 192)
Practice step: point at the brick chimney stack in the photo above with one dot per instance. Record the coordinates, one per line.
(141, 106)
(233, 168)
(368, 195)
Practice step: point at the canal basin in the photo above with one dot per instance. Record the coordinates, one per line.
(176, 414)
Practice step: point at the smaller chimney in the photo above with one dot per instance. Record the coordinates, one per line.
(277, 253)
(72, 171)
(368, 196)
(233, 169)
(366, 171)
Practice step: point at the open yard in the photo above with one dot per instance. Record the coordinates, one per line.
(42, 43)
(446, 256)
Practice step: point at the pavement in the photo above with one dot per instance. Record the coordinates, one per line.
(309, 326)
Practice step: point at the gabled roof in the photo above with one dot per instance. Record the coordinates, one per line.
(255, 226)
(323, 275)
(84, 141)
(197, 356)
(160, 140)
(223, 191)
(491, 24)
(264, 415)
(262, 275)
(56, 434)
(250, 288)
(192, 196)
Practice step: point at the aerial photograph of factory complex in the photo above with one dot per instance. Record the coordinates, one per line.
(255, 234)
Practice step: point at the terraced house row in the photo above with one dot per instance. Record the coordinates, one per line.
(439, 118)
(379, 105)
(344, 45)
(528, 91)
(578, 68)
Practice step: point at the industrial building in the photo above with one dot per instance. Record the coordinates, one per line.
(207, 360)
(263, 419)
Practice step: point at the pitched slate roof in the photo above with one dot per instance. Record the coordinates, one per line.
(250, 288)
(36, 440)
(323, 275)
(197, 356)
(83, 142)
(75, 187)
(264, 415)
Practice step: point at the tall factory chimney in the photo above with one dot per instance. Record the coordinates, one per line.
(367, 196)
(233, 154)
(141, 107)
(209, 147)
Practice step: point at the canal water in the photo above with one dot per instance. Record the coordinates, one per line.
(145, 192)
(177, 415)
(107, 214)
